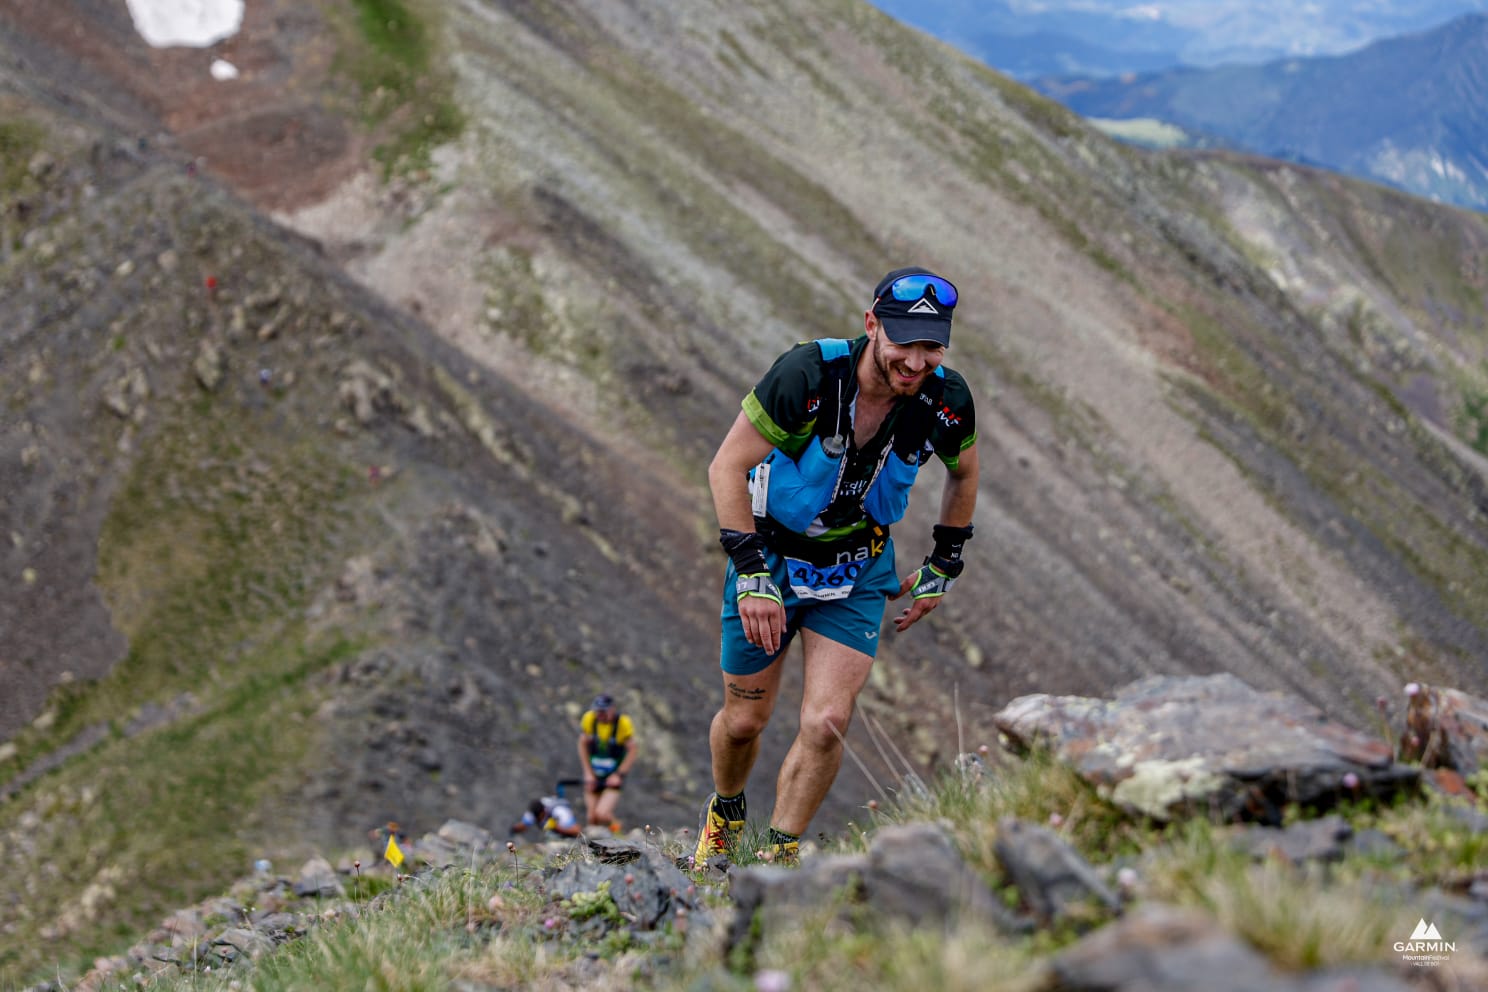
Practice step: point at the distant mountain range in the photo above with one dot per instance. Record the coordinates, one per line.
(1408, 111)
(1110, 37)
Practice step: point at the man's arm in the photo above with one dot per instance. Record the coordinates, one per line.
(588, 772)
(742, 449)
(958, 498)
(957, 505)
(630, 745)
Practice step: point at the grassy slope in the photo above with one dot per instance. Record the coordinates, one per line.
(490, 925)
(216, 538)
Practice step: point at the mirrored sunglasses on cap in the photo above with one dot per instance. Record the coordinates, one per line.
(907, 288)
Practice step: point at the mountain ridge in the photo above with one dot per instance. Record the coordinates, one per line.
(1404, 111)
(1108, 39)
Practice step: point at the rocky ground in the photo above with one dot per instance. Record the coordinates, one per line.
(1112, 927)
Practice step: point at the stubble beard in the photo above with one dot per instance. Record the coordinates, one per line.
(886, 374)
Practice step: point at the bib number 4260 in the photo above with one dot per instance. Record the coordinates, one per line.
(822, 582)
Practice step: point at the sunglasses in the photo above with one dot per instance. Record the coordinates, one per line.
(907, 288)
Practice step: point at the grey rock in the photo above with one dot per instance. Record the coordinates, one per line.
(210, 365)
(1309, 840)
(122, 395)
(929, 880)
(648, 890)
(1471, 817)
(241, 942)
(1374, 843)
(1161, 948)
(1461, 919)
(911, 875)
(465, 834)
(1051, 875)
(318, 878)
(1167, 746)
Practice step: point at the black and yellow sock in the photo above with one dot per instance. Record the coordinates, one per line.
(782, 838)
(732, 808)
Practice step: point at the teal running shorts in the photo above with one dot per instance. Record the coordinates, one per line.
(853, 621)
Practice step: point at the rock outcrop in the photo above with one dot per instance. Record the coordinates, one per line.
(1165, 746)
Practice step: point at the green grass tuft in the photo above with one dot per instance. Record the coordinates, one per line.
(390, 52)
(20, 139)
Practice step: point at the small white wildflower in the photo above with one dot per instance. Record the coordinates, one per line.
(772, 980)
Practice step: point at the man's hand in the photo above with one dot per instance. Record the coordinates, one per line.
(928, 583)
(614, 780)
(761, 610)
(591, 781)
(916, 610)
(763, 619)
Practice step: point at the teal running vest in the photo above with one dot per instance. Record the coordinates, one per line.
(799, 490)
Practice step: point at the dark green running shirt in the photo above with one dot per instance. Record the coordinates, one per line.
(785, 406)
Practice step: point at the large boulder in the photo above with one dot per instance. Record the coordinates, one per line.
(1166, 746)
(911, 875)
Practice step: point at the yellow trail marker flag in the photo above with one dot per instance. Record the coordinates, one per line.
(393, 853)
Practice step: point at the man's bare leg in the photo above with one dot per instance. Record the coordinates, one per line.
(591, 800)
(605, 806)
(733, 737)
(834, 675)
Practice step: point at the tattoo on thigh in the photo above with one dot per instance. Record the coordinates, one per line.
(739, 692)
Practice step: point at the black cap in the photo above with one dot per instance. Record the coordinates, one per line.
(924, 316)
(603, 701)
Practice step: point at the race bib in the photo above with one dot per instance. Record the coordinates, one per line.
(822, 582)
(604, 766)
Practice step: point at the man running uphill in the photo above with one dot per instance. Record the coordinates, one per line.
(607, 749)
(813, 471)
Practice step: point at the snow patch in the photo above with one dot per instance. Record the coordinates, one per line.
(190, 23)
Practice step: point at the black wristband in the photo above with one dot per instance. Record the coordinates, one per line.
(949, 541)
(745, 550)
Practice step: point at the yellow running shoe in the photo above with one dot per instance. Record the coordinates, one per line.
(715, 834)
(787, 855)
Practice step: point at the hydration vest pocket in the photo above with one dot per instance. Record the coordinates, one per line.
(797, 490)
(888, 497)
